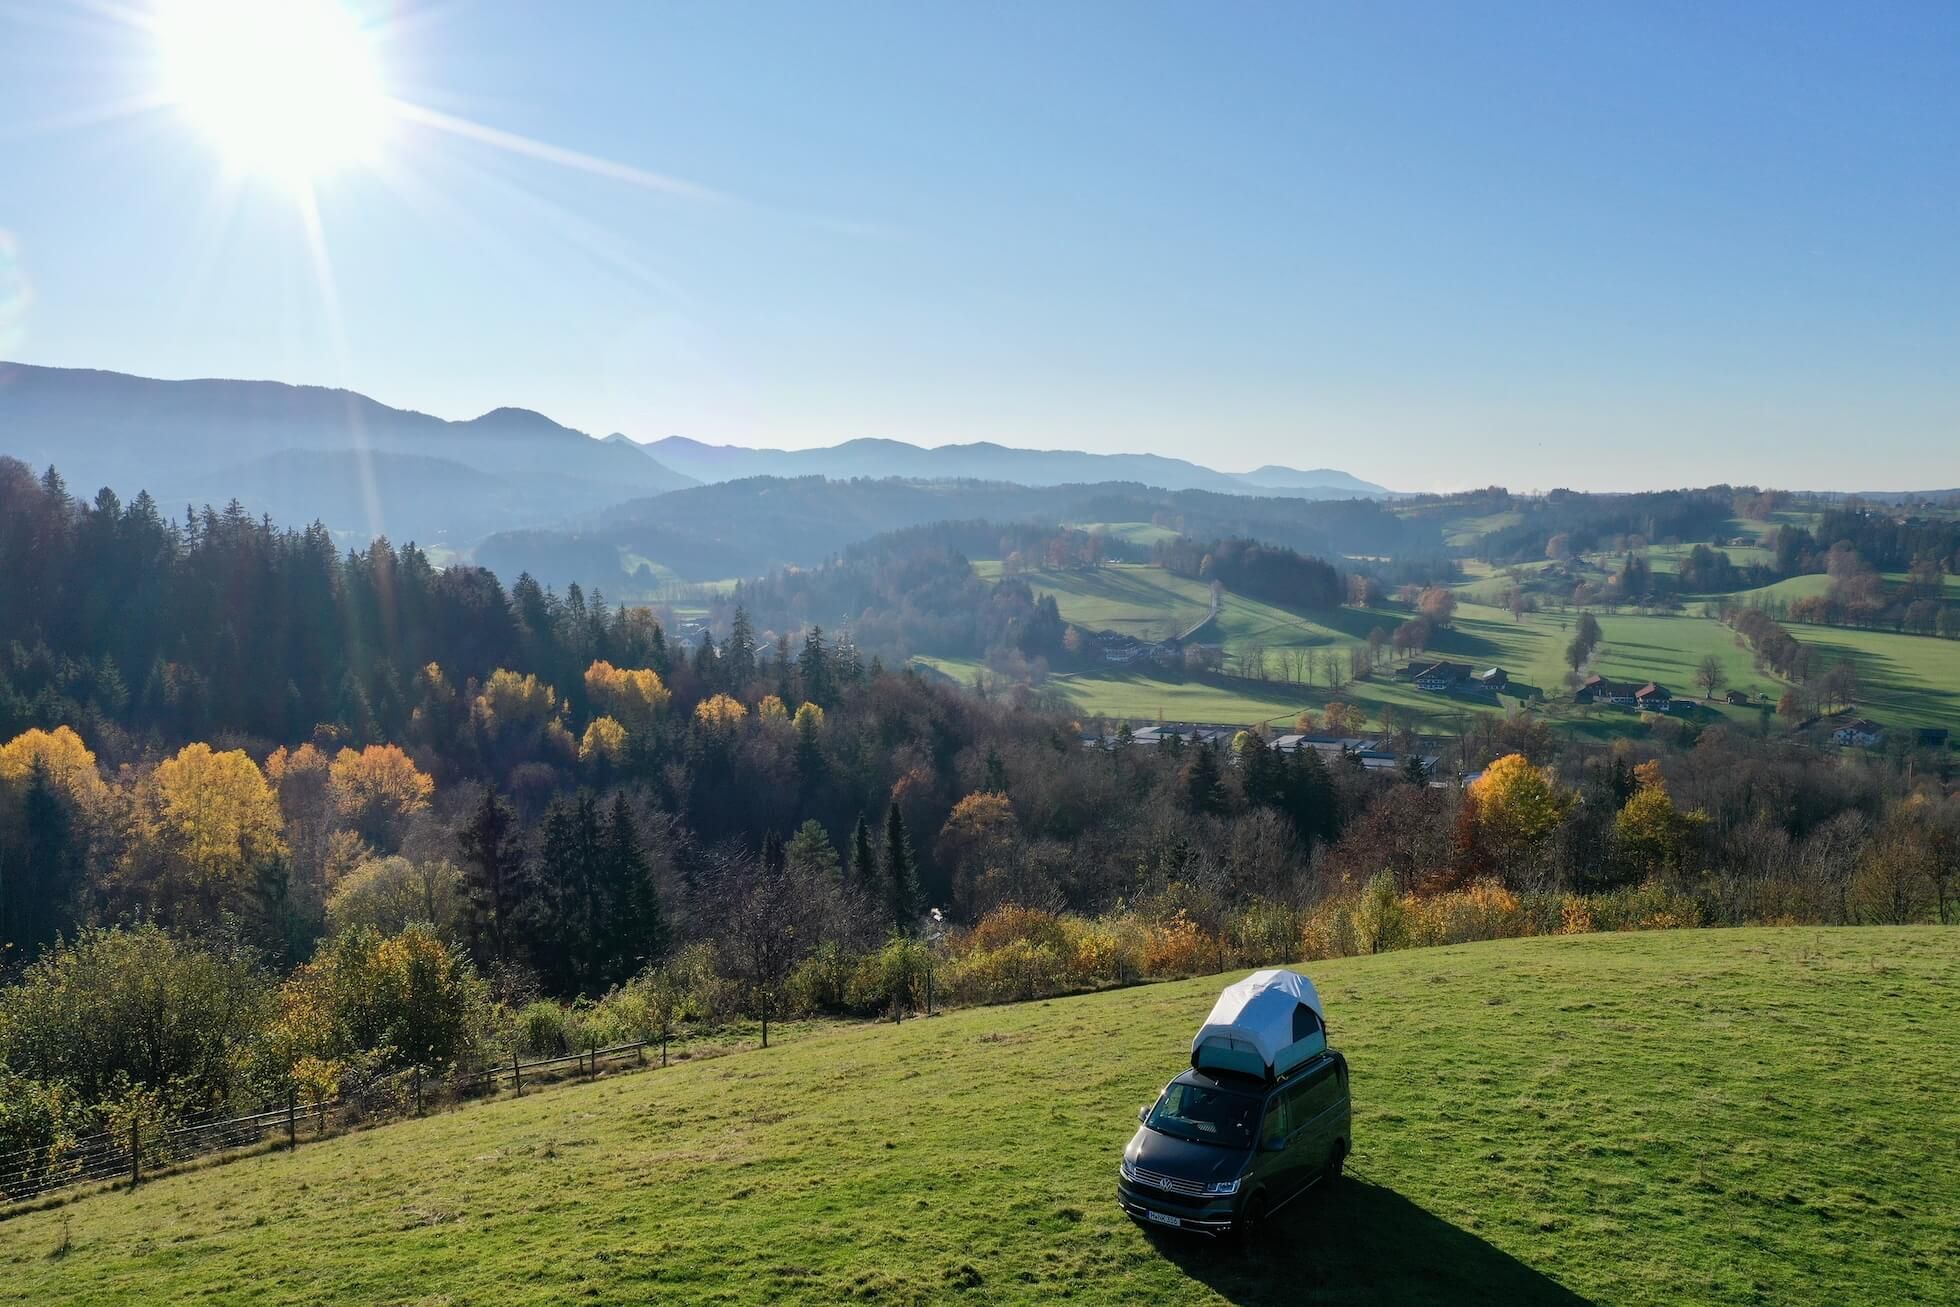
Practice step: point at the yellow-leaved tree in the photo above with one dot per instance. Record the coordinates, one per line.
(509, 703)
(633, 696)
(604, 741)
(303, 780)
(60, 753)
(204, 825)
(719, 714)
(1518, 806)
(1651, 834)
(376, 790)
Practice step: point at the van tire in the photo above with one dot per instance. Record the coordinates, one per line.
(1253, 1224)
(1335, 1161)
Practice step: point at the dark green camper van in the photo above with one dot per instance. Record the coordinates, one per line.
(1220, 1151)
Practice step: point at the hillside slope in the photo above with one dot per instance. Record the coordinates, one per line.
(1721, 1116)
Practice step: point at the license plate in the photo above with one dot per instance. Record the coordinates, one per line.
(1161, 1219)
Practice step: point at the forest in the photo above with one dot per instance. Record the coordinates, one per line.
(270, 811)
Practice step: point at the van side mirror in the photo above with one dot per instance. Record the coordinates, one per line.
(1276, 1144)
(1143, 1113)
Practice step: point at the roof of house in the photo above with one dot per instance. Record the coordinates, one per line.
(1653, 690)
(1493, 674)
(1862, 726)
(1444, 670)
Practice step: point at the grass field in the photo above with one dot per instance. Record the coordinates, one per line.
(1908, 680)
(1751, 1116)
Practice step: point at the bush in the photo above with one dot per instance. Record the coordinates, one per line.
(1178, 947)
(1381, 922)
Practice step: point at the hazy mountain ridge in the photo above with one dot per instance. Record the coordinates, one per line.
(307, 452)
(746, 527)
(989, 461)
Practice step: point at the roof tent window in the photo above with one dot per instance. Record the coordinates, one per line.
(1305, 1022)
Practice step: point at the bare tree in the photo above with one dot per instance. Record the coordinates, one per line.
(1710, 676)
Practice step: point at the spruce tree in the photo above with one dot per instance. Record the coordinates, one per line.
(635, 930)
(492, 874)
(865, 871)
(901, 872)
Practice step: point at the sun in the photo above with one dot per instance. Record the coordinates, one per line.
(284, 88)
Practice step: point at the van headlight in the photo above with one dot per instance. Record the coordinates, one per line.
(1223, 1187)
(1129, 1171)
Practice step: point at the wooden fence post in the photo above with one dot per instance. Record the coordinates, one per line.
(292, 1117)
(135, 1152)
(517, 1073)
(663, 1046)
(418, 1090)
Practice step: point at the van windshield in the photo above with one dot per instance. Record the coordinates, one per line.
(1206, 1115)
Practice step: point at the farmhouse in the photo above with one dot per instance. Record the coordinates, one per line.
(1492, 679)
(1651, 697)
(1862, 733)
(1440, 677)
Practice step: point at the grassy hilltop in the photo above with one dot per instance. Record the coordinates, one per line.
(1747, 1116)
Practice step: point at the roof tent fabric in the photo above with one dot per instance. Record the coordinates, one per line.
(1265, 1025)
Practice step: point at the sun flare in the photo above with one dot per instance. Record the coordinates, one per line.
(287, 88)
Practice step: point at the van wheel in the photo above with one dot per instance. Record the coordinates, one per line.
(1335, 1162)
(1253, 1223)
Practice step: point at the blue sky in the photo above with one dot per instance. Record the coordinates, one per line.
(1435, 245)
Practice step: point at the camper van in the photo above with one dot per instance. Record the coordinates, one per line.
(1262, 1116)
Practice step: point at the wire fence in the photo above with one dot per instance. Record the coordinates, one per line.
(149, 1146)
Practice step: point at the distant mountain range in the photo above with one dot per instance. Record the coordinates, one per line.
(986, 461)
(302, 453)
(306, 453)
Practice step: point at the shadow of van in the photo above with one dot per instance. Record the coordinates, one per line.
(1362, 1243)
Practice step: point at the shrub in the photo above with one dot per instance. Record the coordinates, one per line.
(1177, 947)
(1381, 922)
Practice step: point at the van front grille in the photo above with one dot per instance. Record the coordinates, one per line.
(1169, 1183)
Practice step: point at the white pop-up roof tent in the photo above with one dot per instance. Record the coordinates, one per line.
(1265, 1025)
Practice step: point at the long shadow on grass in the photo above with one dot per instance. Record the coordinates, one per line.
(1362, 1242)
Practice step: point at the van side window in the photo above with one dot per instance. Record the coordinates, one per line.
(1276, 1122)
(1316, 1094)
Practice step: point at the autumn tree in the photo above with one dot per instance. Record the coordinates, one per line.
(303, 780)
(203, 828)
(980, 829)
(633, 697)
(1518, 807)
(1438, 604)
(376, 790)
(1650, 833)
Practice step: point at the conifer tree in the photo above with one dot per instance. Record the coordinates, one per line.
(901, 872)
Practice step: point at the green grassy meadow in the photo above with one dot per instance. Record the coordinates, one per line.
(1727, 1117)
(1909, 680)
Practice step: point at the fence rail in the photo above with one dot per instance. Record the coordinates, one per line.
(146, 1148)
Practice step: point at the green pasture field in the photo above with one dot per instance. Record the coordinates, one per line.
(1909, 680)
(1721, 1117)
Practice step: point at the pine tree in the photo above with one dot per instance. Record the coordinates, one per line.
(492, 872)
(814, 666)
(901, 872)
(739, 652)
(1204, 787)
(865, 871)
(635, 930)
